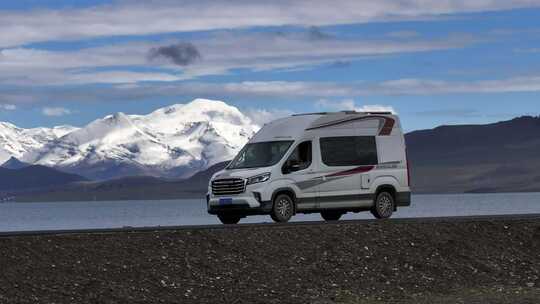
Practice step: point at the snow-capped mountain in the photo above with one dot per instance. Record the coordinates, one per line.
(175, 141)
(17, 142)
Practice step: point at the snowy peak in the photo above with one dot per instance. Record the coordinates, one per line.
(18, 142)
(60, 131)
(174, 141)
(114, 126)
(176, 117)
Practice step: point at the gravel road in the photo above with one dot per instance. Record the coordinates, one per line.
(494, 260)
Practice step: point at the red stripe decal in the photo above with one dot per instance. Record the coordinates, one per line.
(388, 126)
(362, 169)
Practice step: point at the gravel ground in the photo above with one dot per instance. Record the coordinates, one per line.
(473, 261)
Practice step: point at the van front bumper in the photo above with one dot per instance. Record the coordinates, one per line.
(238, 205)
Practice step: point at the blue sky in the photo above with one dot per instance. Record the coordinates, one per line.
(438, 62)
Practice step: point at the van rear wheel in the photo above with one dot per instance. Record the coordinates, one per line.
(283, 208)
(229, 219)
(384, 206)
(331, 215)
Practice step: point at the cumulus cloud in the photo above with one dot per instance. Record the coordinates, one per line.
(349, 104)
(182, 54)
(55, 111)
(8, 107)
(153, 17)
(376, 108)
(262, 116)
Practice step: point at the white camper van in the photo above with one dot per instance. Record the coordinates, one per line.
(327, 163)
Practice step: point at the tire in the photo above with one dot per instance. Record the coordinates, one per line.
(229, 219)
(384, 206)
(282, 209)
(331, 215)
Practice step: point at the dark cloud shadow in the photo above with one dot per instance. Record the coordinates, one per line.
(183, 53)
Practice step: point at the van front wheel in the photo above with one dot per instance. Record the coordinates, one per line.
(283, 208)
(384, 206)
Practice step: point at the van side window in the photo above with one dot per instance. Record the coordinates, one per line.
(349, 151)
(299, 159)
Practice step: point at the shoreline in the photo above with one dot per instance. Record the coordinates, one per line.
(412, 261)
(201, 197)
(219, 226)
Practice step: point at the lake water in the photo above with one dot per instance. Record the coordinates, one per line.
(87, 215)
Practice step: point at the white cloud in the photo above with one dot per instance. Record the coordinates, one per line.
(152, 17)
(273, 90)
(450, 113)
(349, 104)
(376, 108)
(118, 77)
(220, 53)
(530, 50)
(433, 87)
(262, 116)
(403, 34)
(8, 107)
(55, 111)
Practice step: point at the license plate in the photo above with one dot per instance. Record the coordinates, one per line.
(225, 201)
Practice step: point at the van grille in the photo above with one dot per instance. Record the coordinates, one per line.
(228, 186)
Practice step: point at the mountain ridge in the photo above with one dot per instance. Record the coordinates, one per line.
(34, 177)
(439, 164)
(173, 142)
(497, 157)
(16, 142)
(14, 163)
(173, 151)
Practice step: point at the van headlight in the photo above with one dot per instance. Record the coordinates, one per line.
(261, 178)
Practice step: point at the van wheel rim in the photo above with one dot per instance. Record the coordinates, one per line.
(283, 208)
(385, 205)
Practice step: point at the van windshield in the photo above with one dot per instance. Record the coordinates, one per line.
(263, 154)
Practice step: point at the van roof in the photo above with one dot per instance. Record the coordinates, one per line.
(292, 127)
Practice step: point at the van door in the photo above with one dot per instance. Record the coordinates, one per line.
(299, 168)
(345, 165)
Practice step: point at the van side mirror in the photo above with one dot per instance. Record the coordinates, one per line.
(294, 168)
(291, 166)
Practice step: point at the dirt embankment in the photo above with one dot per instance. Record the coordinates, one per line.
(496, 261)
